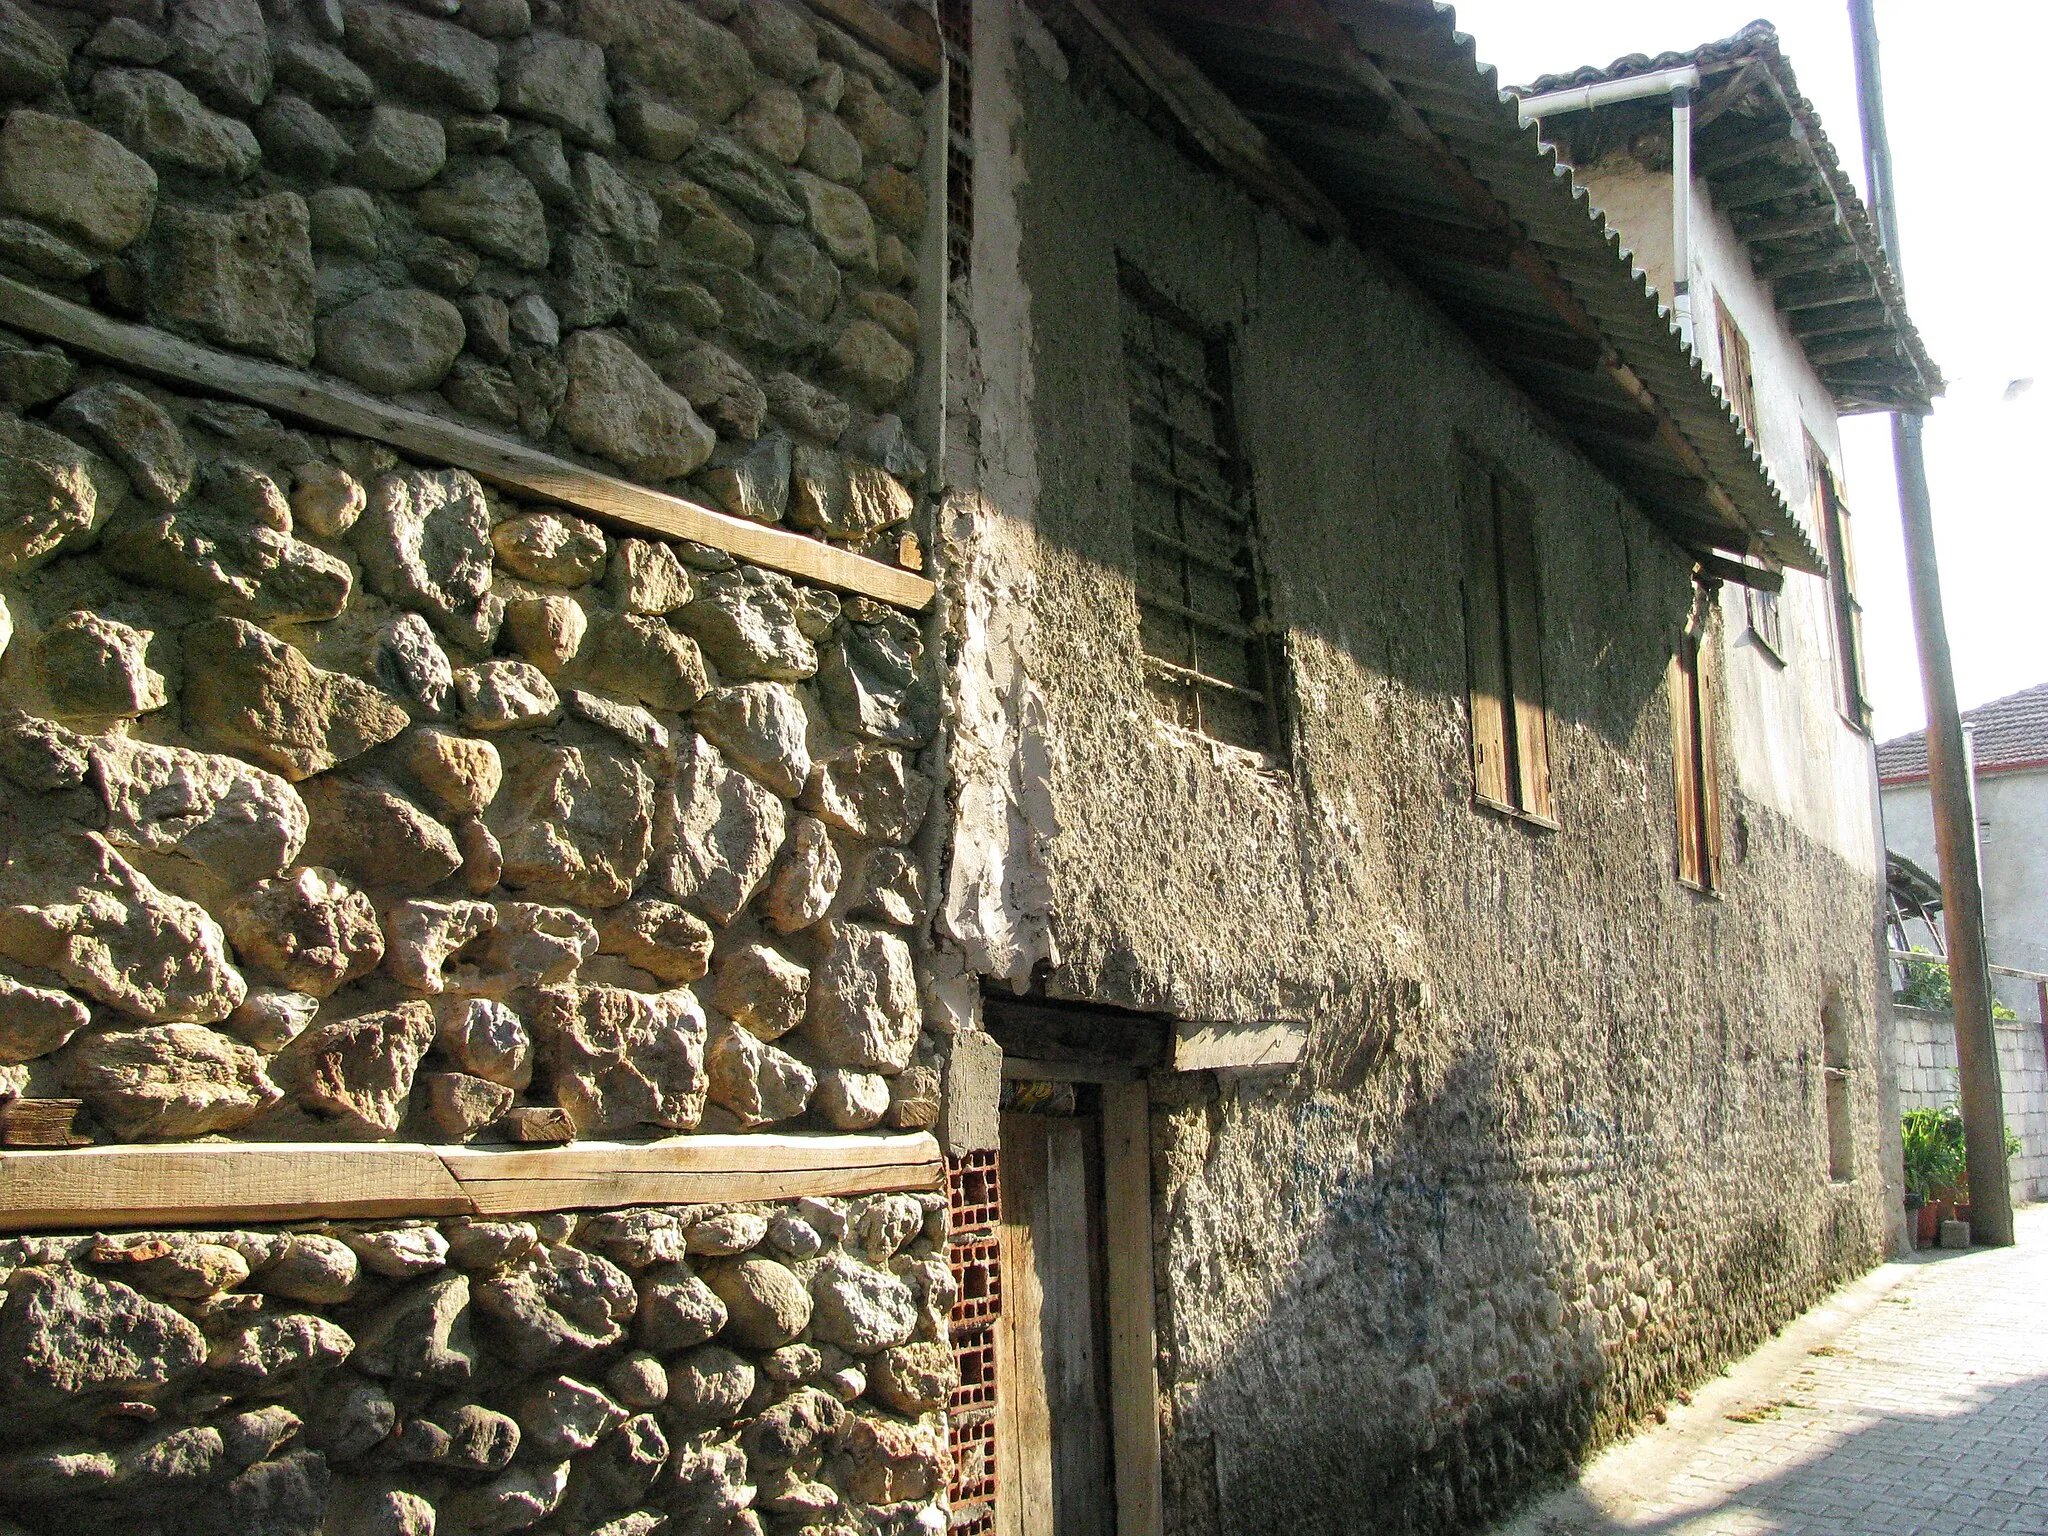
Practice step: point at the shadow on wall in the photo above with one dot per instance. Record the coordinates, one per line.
(1448, 1337)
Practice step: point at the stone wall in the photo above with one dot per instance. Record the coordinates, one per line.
(1924, 1046)
(704, 1369)
(344, 797)
(347, 798)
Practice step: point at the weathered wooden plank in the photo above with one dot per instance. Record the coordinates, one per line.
(193, 1185)
(512, 465)
(185, 1185)
(1211, 119)
(683, 1169)
(1208, 1047)
(896, 43)
(1127, 1245)
(40, 1123)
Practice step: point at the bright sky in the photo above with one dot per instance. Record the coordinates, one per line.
(1963, 105)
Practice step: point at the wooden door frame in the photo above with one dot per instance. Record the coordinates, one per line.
(1127, 1249)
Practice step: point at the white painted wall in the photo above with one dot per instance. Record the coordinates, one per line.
(1793, 748)
(1924, 1056)
(2012, 815)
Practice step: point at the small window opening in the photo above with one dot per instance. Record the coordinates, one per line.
(1836, 1072)
(1738, 380)
(1207, 658)
(1766, 621)
(1832, 514)
(1504, 647)
(956, 36)
(1695, 751)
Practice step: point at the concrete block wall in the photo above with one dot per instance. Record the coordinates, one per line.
(1924, 1045)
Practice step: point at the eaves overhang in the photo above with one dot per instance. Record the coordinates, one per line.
(1770, 167)
(1373, 120)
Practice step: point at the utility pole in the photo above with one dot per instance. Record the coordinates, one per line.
(1949, 788)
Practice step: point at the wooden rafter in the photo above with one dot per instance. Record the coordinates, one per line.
(1210, 118)
(1309, 18)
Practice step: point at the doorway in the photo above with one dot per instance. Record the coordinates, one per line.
(1077, 1428)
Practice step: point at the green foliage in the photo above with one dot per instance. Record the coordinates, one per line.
(1936, 1168)
(1927, 986)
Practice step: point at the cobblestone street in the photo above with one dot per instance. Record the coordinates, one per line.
(1916, 1401)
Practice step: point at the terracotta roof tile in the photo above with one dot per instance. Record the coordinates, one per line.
(2007, 732)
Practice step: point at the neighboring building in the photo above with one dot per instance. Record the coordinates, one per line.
(1342, 555)
(2008, 742)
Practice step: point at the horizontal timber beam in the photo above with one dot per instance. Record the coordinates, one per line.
(186, 1185)
(1211, 119)
(514, 466)
(898, 44)
(1740, 572)
(1784, 225)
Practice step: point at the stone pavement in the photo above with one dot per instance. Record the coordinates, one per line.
(1914, 1401)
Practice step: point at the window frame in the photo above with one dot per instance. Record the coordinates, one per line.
(1692, 693)
(1507, 700)
(1738, 369)
(1252, 627)
(1832, 518)
(1767, 607)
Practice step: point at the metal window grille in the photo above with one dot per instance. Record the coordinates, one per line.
(1206, 654)
(956, 36)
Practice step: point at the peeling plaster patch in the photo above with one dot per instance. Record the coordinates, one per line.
(998, 900)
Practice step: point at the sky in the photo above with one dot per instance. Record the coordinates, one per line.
(1963, 110)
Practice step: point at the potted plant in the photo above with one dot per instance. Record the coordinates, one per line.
(1937, 1169)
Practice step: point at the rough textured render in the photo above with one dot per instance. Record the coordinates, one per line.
(348, 799)
(703, 1368)
(1557, 1144)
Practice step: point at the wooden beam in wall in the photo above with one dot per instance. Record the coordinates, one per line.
(187, 1185)
(516, 467)
(1785, 225)
(1210, 118)
(1739, 572)
(918, 56)
(1133, 1344)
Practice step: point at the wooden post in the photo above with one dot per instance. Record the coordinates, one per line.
(1955, 829)
(1127, 1239)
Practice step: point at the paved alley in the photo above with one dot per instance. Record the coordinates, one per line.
(1915, 1401)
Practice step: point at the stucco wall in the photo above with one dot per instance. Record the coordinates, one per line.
(1557, 1145)
(2012, 815)
(1792, 746)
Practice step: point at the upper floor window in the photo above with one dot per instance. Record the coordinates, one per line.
(1766, 621)
(1504, 647)
(1201, 610)
(1831, 513)
(1695, 750)
(1738, 381)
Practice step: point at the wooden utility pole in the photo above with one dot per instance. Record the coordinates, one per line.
(1948, 784)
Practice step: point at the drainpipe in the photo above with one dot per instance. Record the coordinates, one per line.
(1679, 83)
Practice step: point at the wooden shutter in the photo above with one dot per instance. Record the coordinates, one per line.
(1484, 649)
(1685, 763)
(1695, 760)
(1522, 614)
(1706, 683)
(1832, 514)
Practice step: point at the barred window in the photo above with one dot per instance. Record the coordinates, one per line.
(1206, 655)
